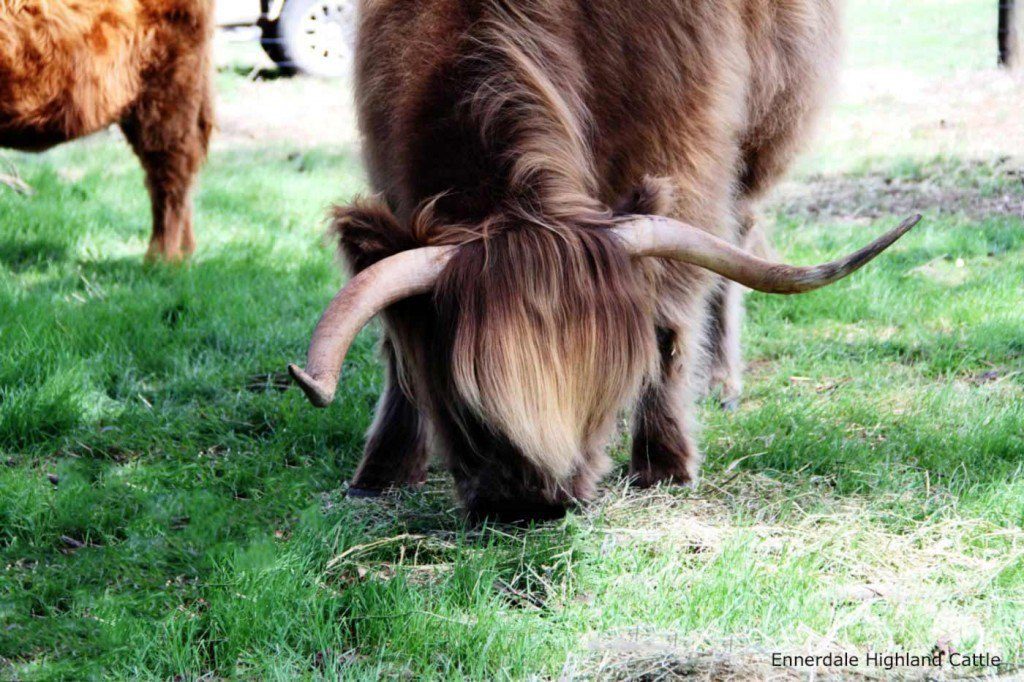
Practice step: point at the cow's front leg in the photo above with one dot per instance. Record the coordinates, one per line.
(664, 449)
(169, 130)
(396, 452)
(172, 238)
(170, 174)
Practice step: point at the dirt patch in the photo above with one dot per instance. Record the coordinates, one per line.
(641, 659)
(654, 660)
(876, 195)
(258, 104)
(299, 111)
(891, 112)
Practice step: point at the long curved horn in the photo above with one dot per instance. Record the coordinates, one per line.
(400, 276)
(666, 238)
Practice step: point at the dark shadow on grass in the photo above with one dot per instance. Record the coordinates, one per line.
(20, 254)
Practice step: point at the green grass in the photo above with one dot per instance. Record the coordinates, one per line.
(927, 37)
(167, 512)
(208, 506)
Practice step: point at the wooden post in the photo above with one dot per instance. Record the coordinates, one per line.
(1010, 56)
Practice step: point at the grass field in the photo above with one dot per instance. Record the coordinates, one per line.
(168, 511)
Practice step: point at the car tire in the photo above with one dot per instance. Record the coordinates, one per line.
(315, 37)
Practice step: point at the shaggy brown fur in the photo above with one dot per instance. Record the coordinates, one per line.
(518, 129)
(68, 69)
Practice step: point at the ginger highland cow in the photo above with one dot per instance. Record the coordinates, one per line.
(69, 68)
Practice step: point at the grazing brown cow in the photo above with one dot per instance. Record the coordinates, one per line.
(530, 286)
(69, 68)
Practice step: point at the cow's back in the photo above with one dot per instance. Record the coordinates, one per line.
(65, 69)
(666, 87)
(402, 46)
(688, 89)
(794, 48)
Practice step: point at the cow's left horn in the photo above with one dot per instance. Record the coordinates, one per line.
(667, 238)
(400, 276)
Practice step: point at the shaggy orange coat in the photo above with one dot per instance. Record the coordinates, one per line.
(70, 68)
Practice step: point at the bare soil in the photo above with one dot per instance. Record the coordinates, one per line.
(257, 104)
(941, 190)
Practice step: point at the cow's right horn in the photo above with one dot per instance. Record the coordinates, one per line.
(397, 277)
(661, 237)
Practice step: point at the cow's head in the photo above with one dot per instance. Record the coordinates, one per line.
(522, 342)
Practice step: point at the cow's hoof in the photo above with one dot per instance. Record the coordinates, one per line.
(649, 478)
(363, 493)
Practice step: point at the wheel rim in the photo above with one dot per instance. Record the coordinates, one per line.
(326, 35)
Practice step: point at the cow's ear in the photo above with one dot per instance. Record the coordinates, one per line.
(653, 196)
(367, 232)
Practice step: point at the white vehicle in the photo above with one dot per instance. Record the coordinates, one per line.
(311, 36)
